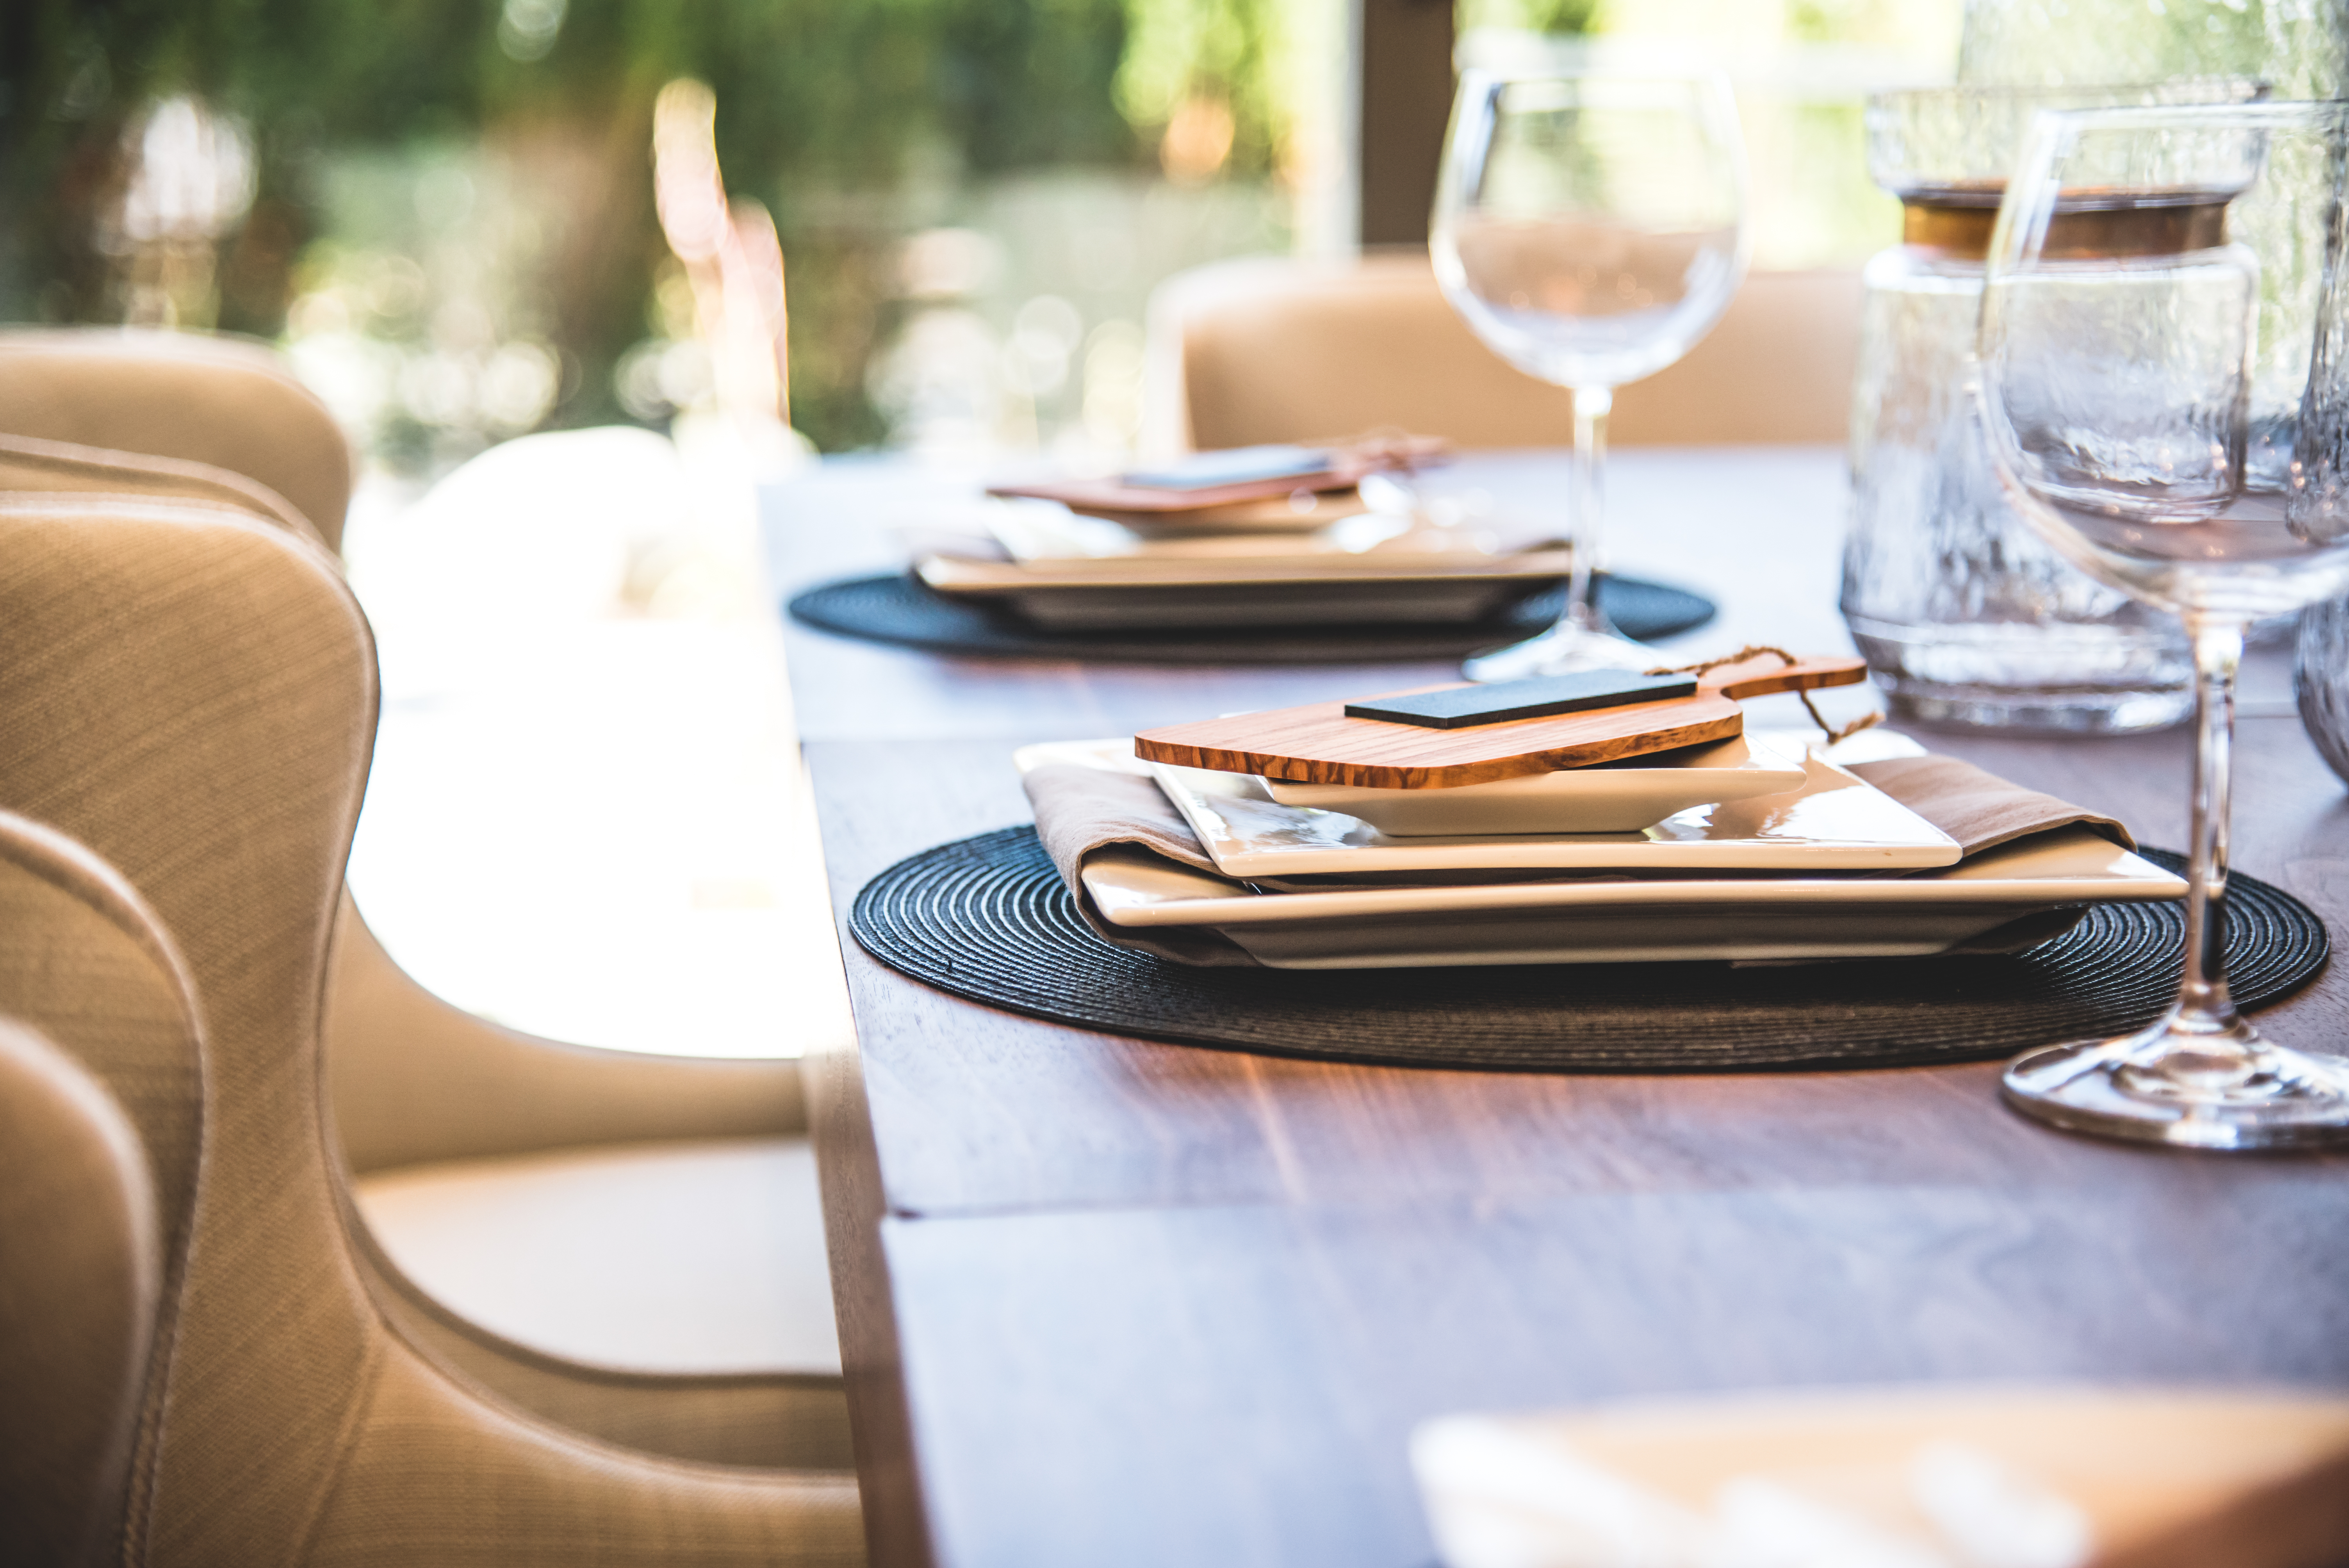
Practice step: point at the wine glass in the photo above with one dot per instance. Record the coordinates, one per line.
(2164, 386)
(1589, 228)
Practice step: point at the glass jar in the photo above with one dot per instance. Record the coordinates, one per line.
(1963, 615)
(2319, 681)
(2300, 47)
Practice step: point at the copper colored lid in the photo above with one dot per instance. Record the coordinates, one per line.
(1958, 223)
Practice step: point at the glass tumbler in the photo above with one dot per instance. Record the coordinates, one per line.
(2319, 681)
(1964, 615)
(2299, 47)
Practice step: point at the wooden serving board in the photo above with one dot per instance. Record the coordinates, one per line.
(1318, 744)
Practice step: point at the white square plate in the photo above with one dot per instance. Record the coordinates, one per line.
(1836, 821)
(1085, 574)
(2005, 898)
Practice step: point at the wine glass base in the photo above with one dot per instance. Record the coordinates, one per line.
(2185, 1088)
(1561, 650)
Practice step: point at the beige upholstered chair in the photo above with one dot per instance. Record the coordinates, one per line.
(81, 1263)
(466, 1127)
(1285, 349)
(212, 403)
(191, 696)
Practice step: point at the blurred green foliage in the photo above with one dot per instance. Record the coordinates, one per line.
(1534, 15)
(817, 97)
(1224, 50)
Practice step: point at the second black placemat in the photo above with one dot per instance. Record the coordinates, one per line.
(989, 918)
(897, 608)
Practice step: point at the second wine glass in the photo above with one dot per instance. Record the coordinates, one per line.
(2165, 389)
(1589, 228)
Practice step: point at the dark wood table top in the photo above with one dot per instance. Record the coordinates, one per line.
(1106, 1300)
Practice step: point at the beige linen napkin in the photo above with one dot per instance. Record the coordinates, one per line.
(1081, 809)
(2086, 1477)
(1977, 808)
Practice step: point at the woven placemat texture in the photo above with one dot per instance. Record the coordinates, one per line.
(898, 609)
(989, 918)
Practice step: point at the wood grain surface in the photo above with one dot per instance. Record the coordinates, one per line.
(1236, 1385)
(1318, 744)
(1106, 1300)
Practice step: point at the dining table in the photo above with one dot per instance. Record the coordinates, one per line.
(1112, 1301)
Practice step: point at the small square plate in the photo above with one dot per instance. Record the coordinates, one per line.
(1626, 796)
(1836, 821)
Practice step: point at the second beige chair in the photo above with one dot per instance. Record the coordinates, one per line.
(207, 405)
(1288, 350)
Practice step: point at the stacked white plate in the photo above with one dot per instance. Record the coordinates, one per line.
(1073, 572)
(1829, 868)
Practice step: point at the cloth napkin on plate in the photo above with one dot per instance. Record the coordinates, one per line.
(1977, 808)
(1081, 809)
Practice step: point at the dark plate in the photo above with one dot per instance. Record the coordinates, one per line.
(898, 609)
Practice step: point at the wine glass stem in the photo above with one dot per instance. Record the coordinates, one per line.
(1585, 510)
(2203, 1004)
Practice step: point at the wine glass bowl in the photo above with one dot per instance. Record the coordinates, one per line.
(1589, 303)
(1590, 229)
(2113, 412)
(2164, 404)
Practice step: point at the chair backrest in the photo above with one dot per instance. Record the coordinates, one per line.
(221, 402)
(1287, 349)
(190, 693)
(29, 464)
(411, 1080)
(80, 1274)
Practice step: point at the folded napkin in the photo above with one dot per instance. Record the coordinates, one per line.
(1081, 809)
(2084, 1477)
(1977, 808)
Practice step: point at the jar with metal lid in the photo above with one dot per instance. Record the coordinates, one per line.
(1964, 617)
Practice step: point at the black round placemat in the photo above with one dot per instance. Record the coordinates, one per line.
(989, 918)
(898, 609)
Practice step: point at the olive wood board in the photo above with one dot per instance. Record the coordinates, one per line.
(1318, 744)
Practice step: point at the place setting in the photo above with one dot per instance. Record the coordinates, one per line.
(1326, 551)
(1597, 872)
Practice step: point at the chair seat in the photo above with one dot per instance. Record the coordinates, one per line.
(688, 1258)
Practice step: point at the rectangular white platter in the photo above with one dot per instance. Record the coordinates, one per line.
(1083, 573)
(1835, 822)
(1251, 594)
(1975, 906)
